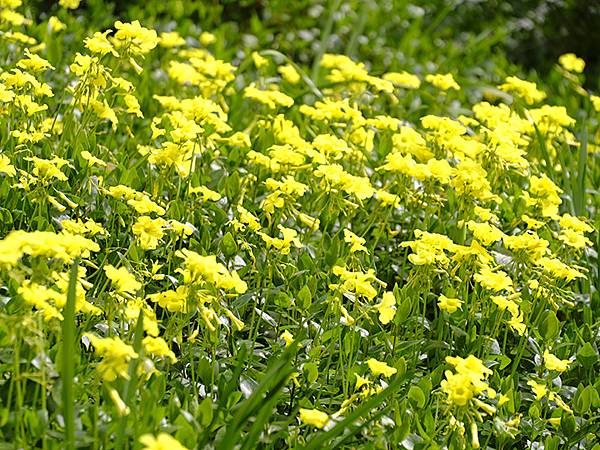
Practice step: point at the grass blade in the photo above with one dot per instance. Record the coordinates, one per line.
(68, 360)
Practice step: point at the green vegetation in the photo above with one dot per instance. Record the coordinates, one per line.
(243, 225)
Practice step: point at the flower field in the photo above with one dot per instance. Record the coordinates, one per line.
(210, 244)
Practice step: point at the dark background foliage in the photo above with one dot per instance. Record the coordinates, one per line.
(387, 33)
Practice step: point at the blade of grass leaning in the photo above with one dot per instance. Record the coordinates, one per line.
(320, 440)
(579, 199)
(130, 383)
(68, 360)
(275, 377)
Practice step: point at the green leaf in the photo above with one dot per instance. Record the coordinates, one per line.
(205, 411)
(568, 424)
(228, 245)
(416, 396)
(549, 325)
(311, 372)
(304, 297)
(587, 356)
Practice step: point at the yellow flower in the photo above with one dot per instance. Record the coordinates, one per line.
(69, 4)
(158, 347)
(442, 81)
(287, 337)
(356, 242)
(206, 269)
(387, 308)
(6, 167)
(55, 24)
(100, 44)
(289, 73)
(148, 231)
(122, 280)
(207, 38)
(458, 387)
(403, 79)
(553, 363)
(570, 62)
(496, 281)
(116, 356)
(161, 442)
(361, 381)
(449, 304)
(525, 89)
(259, 60)
(314, 417)
(540, 390)
(380, 368)
(485, 233)
(272, 99)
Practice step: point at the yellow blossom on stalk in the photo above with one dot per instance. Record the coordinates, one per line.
(467, 382)
(173, 301)
(89, 227)
(92, 160)
(531, 222)
(289, 73)
(387, 308)
(272, 99)
(287, 337)
(356, 242)
(284, 245)
(442, 81)
(553, 363)
(358, 283)
(69, 4)
(540, 390)
(161, 442)
(570, 62)
(429, 248)
(574, 239)
(116, 356)
(449, 304)
(42, 299)
(496, 281)
(100, 44)
(64, 246)
(574, 223)
(524, 89)
(207, 38)
(361, 381)
(122, 408)
(380, 368)
(309, 221)
(485, 233)
(314, 417)
(6, 167)
(259, 60)
(595, 102)
(557, 269)
(158, 347)
(133, 106)
(134, 37)
(529, 243)
(206, 193)
(148, 231)
(34, 63)
(206, 269)
(171, 39)
(123, 281)
(55, 24)
(403, 79)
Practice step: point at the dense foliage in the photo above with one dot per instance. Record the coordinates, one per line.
(206, 243)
